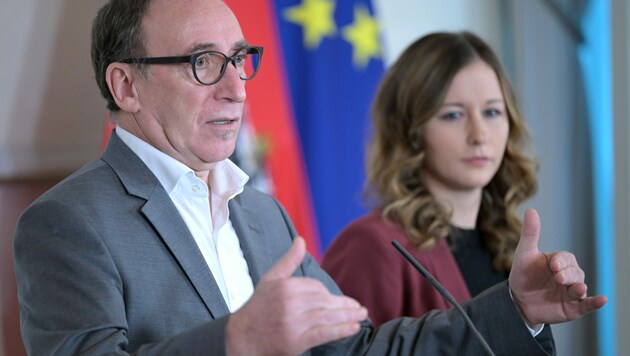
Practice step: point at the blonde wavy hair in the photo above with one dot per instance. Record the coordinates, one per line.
(411, 92)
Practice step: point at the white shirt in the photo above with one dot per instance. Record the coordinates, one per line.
(205, 212)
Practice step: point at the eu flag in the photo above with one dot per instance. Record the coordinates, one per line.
(329, 58)
(333, 62)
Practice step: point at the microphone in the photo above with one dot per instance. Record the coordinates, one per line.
(444, 293)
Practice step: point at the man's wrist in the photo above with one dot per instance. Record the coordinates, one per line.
(534, 330)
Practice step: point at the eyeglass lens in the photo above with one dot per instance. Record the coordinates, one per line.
(210, 66)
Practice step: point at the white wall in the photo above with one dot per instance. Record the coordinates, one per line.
(403, 21)
(51, 115)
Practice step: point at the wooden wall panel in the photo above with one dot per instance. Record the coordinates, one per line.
(15, 196)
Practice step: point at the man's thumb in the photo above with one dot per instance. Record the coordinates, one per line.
(288, 263)
(530, 232)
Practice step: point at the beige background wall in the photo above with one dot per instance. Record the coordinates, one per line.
(50, 109)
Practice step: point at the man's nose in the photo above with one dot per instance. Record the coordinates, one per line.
(231, 86)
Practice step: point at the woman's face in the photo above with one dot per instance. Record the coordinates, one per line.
(465, 141)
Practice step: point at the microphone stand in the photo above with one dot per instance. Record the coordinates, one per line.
(444, 293)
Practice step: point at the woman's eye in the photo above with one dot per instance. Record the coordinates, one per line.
(451, 115)
(492, 113)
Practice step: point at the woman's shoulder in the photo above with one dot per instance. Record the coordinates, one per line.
(365, 237)
(371, 229)
(372, 223)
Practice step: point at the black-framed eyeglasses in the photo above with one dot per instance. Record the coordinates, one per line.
(209, 66)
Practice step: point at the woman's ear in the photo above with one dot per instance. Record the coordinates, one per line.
(120, 79)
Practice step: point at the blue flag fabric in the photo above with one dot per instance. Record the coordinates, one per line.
(332, 54)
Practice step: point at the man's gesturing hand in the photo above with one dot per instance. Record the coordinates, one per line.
(288, 315)
(548, 287)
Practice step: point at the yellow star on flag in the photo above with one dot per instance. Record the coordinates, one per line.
(363, 35)
(316, 16)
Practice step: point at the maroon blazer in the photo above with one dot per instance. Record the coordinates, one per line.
(367, 267)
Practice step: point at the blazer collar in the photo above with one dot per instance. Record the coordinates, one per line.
(160, 211)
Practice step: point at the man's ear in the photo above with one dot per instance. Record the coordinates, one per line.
(120, 79)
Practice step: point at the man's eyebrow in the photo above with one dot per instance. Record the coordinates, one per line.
(199, 47)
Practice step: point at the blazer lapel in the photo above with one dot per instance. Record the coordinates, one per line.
(249, 230)
(163, 215)
(161, 212)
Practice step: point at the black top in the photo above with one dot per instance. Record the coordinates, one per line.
(475, 261)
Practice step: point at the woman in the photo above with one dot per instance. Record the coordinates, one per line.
(447, 169)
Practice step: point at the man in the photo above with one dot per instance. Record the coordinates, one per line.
(156, 247)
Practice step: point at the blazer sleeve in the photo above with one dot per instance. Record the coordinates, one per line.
(437, 332)
(445, 332)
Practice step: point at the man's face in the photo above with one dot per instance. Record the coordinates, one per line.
(194, 123)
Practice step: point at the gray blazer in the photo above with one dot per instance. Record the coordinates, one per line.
(106, 265)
